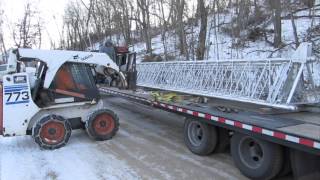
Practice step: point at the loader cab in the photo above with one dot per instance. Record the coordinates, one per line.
(73, 82)
(76, 80)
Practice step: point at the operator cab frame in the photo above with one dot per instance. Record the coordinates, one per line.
(73, 82)
(126, 62)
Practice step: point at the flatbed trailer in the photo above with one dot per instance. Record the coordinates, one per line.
(298, 133)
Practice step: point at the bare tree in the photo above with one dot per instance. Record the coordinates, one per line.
(294, 27)
(92, 21)
(203, 30)
(179, 9)
(2, 44)
(164, 22)
(88, 17)
(276, 6)
(27, 31)
(126, 7)
(75, 19)
(143, 6)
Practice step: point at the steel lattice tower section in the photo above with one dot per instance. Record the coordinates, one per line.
(275, 82)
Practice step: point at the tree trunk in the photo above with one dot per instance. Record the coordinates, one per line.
(294, 27)
(203, 30)
(144, 7)
(180, 4)
(164, 28)
(276, 5)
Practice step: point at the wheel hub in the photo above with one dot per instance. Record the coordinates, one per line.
(103, 124)
(195, 133)
(52, 132)
(251, 152)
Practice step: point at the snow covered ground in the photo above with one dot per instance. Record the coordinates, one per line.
(149, 145)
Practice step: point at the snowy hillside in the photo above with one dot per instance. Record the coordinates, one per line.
(220, 44)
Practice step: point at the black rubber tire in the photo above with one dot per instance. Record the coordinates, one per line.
(206, 142)
(93, 132)
(223, 141)
(305, 166)
(271, 157)
(40, 126)
(286, 168)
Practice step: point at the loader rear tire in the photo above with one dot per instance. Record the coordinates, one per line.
(102, 125)
(51, 132)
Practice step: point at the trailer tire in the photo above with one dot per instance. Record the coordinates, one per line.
(256, 158)
(286, 168)
(305, 166)
(102, 124)
(51, 132)
(200, 138)
(223, 141)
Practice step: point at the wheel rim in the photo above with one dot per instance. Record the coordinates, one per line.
(52, 132)
(195, 133)
(251, 153)
(103, 124)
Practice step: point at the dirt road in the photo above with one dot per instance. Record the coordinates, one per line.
(149, 145)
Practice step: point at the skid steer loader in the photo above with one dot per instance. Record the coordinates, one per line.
(52, 92)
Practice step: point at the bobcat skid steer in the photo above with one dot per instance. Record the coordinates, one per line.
(52, 92)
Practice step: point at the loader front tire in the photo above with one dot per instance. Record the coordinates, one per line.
(102, 125)
(51, 132)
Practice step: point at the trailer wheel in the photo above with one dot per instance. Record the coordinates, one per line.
(256, 159)
(286, 168)
(200, 138)
(102, 125)
(223, 140)
(51, 132)
(305, 166)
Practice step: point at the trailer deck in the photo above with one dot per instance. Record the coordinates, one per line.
(299, 130)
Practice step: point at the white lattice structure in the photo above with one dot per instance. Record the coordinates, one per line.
(280, 83)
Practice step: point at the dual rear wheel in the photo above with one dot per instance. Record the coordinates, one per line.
(255, 158)
(53, 132)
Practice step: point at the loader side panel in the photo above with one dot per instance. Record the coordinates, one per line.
(18, 106)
